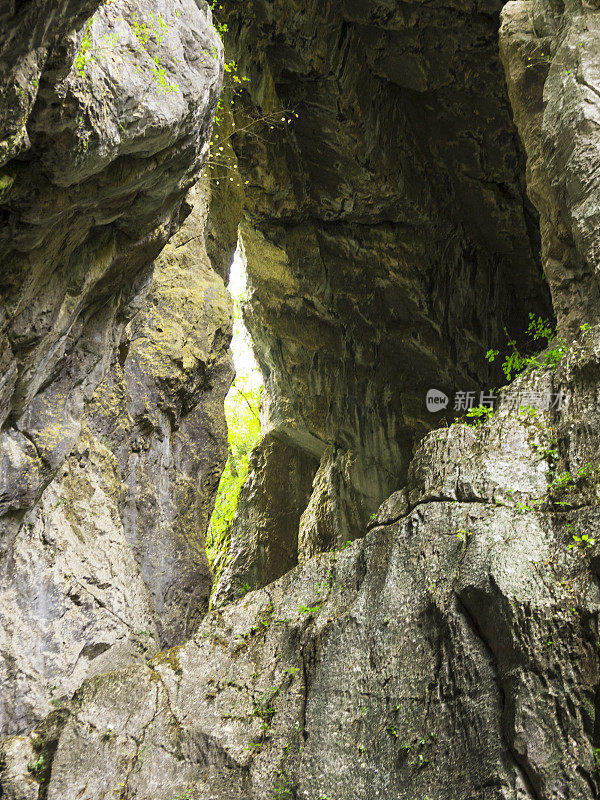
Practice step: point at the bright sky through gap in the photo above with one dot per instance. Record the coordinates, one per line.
(246, 367)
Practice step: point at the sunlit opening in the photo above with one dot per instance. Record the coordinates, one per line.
(242, 410)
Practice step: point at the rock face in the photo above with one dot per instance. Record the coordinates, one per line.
(113, 433)
(424, 623)
(550, 54)
(388, 236)
(160, 410)
(449, 654)
(265, 532)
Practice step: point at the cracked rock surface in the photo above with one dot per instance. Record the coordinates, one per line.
(451, 653)
(549, 51)
(424, 620)
(113, 434)
(389, 240)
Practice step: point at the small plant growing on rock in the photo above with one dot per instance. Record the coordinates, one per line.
(475, 416)
(283, 787)
(264, 708)
(515, 363)
(310, 609)
(583, 485)
(582, 541)
(37, 769)
(462, 534)
(420, 762)
(85, 53)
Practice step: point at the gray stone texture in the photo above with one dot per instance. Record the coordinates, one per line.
(113, 434)
(450, 650)
(549, 51)
(451, 653)
(388, 235)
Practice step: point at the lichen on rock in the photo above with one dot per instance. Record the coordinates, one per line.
(101, 451)
(410, 605)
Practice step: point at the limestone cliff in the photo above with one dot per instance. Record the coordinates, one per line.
(451, 653)
(113, 432)
(389, 241)
(413, 186)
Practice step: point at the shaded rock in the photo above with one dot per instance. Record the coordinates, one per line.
(162, 410)
(118, 536)
(113, 433)
(449, 654)
(549, 51)
(388, 235)
(114, 140)
(343, 488)
(391, 510)
(72, 600)
(18, 756)
(264, 533)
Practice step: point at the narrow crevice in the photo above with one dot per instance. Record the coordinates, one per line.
(521, 767)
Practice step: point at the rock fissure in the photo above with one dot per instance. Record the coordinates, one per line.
(407, 610)
(520, 765)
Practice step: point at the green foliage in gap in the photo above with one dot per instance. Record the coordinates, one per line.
(242, 411)
(243, 420)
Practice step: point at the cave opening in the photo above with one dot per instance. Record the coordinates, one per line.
(243, 416)
(390, 244)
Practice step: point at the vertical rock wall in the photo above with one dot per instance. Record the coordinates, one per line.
(451, 652)
(113, 435)
(550, 53)
(389, 242)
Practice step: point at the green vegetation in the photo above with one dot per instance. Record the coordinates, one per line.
(148, 32)
(283, 786)
(244, 431)
(38, 768)
(108, 734)
(566, 490)
(596, 754)
(515, 363)
(477, 416)
(84, 54)
(582, 541)
(233, 81)
(243, 421)
(264, 707)
(302, 609)
(250, 121)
